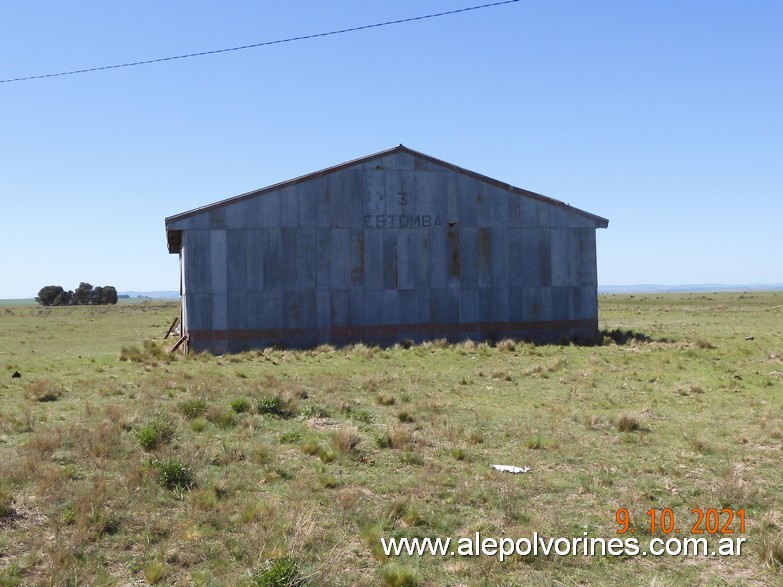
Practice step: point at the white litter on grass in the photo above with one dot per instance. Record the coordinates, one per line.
(512, 469)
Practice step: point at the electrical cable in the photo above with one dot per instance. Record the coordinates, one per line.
(255, 45)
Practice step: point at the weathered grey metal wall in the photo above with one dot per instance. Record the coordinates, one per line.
(394, 246)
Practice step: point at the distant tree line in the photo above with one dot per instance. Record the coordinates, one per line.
(84, 295)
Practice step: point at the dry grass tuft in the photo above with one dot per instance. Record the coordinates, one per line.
(735, 491)
(700, 343)
(628, 423)
(397, 437)
(385, 399)
(346, 439)
(43, 391)
(771, 550)
(6, 503)
(149, 353)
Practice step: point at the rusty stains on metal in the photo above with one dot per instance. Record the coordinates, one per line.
(453, 238)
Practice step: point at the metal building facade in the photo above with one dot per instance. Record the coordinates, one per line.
(397, 245)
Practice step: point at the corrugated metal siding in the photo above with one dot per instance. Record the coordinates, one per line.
(397, 247)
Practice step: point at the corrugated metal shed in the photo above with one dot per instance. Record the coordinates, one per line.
(396, 245)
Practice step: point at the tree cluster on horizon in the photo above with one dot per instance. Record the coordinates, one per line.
(84, 295)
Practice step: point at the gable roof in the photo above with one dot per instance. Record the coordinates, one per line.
(599, 221)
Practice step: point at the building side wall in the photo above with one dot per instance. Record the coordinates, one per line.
(389, 250)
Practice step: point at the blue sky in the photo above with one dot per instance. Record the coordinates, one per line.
(664, 116)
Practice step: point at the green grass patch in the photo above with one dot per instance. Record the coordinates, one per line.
(276, 465)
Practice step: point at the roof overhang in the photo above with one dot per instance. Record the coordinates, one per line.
(174, 238)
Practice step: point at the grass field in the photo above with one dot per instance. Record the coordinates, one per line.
(120, 464)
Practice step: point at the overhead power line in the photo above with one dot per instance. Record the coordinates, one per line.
(262, 44)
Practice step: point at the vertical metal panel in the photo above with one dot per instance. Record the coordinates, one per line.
(453, 258)
(517, 259)
(425, 316)
(306, 258)
(588, 267)
(558, 218)
(528, 212)
(542, 214)
(393, 192)
(420, 241)
(498, 206)
(444, 309)
(244, 261)
(324, 262)
(341, 258)
(324, 310)
(374, 259)
(389, 259)
(517, 304)
(219, 311)
(500, 258)
(348, 196)
(219, 286)
(298, 309)
(273, 308)
(273, 274)
(429, 191)
(238, 309)
(513, 211)
(238, 259)
(373, 307)
(270, 210)
(466, 198)
(539, 303)
(438, 256)
(341, 304)
(315, 203)
(217, 218)
(408, 300)
(560, 301)
(468, 257)
(484, 257)
(289, 207)
(290, 278)
(452, 198)
(589, 303)
(356, 309)
(244, 214)
(357, 257)
(483, 204)
(468, 305)
(406, 253)
(390, 310)
(199, 311)
(183, 291)
(199, 261)
(563, 257)
(408, 196)
(541, 254)
(375, 195)
(498, 304)
(404, 161)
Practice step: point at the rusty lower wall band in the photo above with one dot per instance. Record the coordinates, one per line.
(392, 330)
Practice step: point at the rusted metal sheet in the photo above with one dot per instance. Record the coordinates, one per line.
(389, 246)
